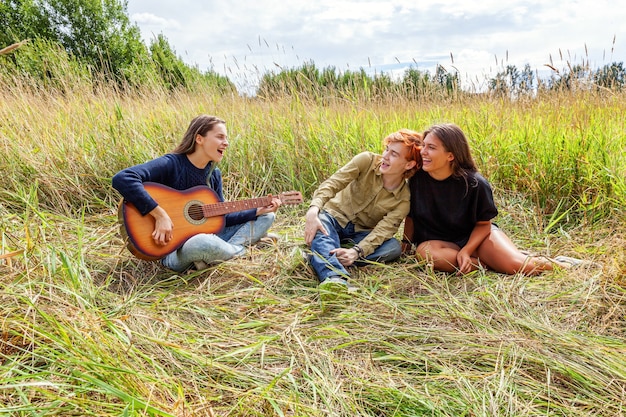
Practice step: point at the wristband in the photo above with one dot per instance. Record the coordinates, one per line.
(358, 250)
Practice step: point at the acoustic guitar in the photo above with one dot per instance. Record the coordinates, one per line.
(193, 211)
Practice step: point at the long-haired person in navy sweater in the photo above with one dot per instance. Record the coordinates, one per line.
(193, 163)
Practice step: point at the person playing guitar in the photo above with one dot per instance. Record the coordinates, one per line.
(191, 164)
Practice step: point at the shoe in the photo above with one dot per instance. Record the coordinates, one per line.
(306, 257)
(270, 239)
(332, 289)
(574, 262)
(352, 288)
(200, 265)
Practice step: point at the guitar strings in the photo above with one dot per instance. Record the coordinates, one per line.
(198, 211)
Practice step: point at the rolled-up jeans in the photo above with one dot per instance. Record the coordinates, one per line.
(326, 264)
(219, 247)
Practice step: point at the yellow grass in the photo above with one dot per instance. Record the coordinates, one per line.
(89, 330)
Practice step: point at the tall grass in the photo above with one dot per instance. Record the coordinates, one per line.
(559, 153)
(88, 330)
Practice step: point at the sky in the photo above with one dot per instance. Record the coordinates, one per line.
(243, 39)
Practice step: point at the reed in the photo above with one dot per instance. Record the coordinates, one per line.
(88, 330)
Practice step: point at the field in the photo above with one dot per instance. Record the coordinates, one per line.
(88, 330)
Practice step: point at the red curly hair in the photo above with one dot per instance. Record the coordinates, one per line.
(413, 141)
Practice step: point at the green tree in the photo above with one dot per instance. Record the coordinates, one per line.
(513, 83)
(416, 83)
(579, 77)
(505, 82)
(169, 66)
(23, 19)
(97, 32)
(611, 76)
(449, 82)
(527, 78)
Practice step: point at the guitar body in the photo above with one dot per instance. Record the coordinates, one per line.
(193, 211)
(181, 206)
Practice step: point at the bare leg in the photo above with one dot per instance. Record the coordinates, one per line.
(442, 254)
(497, 252)
(500, 254)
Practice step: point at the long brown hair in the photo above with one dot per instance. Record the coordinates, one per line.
(200, 125)
(454, 140)
(413, 141)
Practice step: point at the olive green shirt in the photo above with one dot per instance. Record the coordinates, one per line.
(355, 193)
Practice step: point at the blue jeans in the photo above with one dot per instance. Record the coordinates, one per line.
(214, 248)
(326, 265)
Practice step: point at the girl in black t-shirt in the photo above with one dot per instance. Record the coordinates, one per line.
(451, 211)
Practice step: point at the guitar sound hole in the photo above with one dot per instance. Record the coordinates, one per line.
(195, 212)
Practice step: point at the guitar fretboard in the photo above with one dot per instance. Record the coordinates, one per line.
(219, 209)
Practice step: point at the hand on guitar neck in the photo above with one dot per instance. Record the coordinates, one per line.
(189, 212)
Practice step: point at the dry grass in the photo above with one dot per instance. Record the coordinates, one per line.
(248, 337)
(88, 330)
(11, 48)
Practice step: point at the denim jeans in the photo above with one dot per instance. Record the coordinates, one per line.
(326, 265)
(214, 248)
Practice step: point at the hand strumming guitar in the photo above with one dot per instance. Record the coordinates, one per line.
(163, 226)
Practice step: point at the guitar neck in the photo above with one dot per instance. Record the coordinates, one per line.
(219, 209)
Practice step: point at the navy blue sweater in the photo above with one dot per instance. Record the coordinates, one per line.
(175, 171)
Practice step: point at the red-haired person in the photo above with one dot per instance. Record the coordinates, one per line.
(355, 213)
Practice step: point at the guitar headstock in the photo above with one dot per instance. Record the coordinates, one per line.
(290, 197)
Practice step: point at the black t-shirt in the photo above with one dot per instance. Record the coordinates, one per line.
(448, 210)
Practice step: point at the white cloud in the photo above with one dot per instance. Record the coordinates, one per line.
(150, 20)
(253, 36)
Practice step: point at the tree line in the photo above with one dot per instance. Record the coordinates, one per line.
(94, 40)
